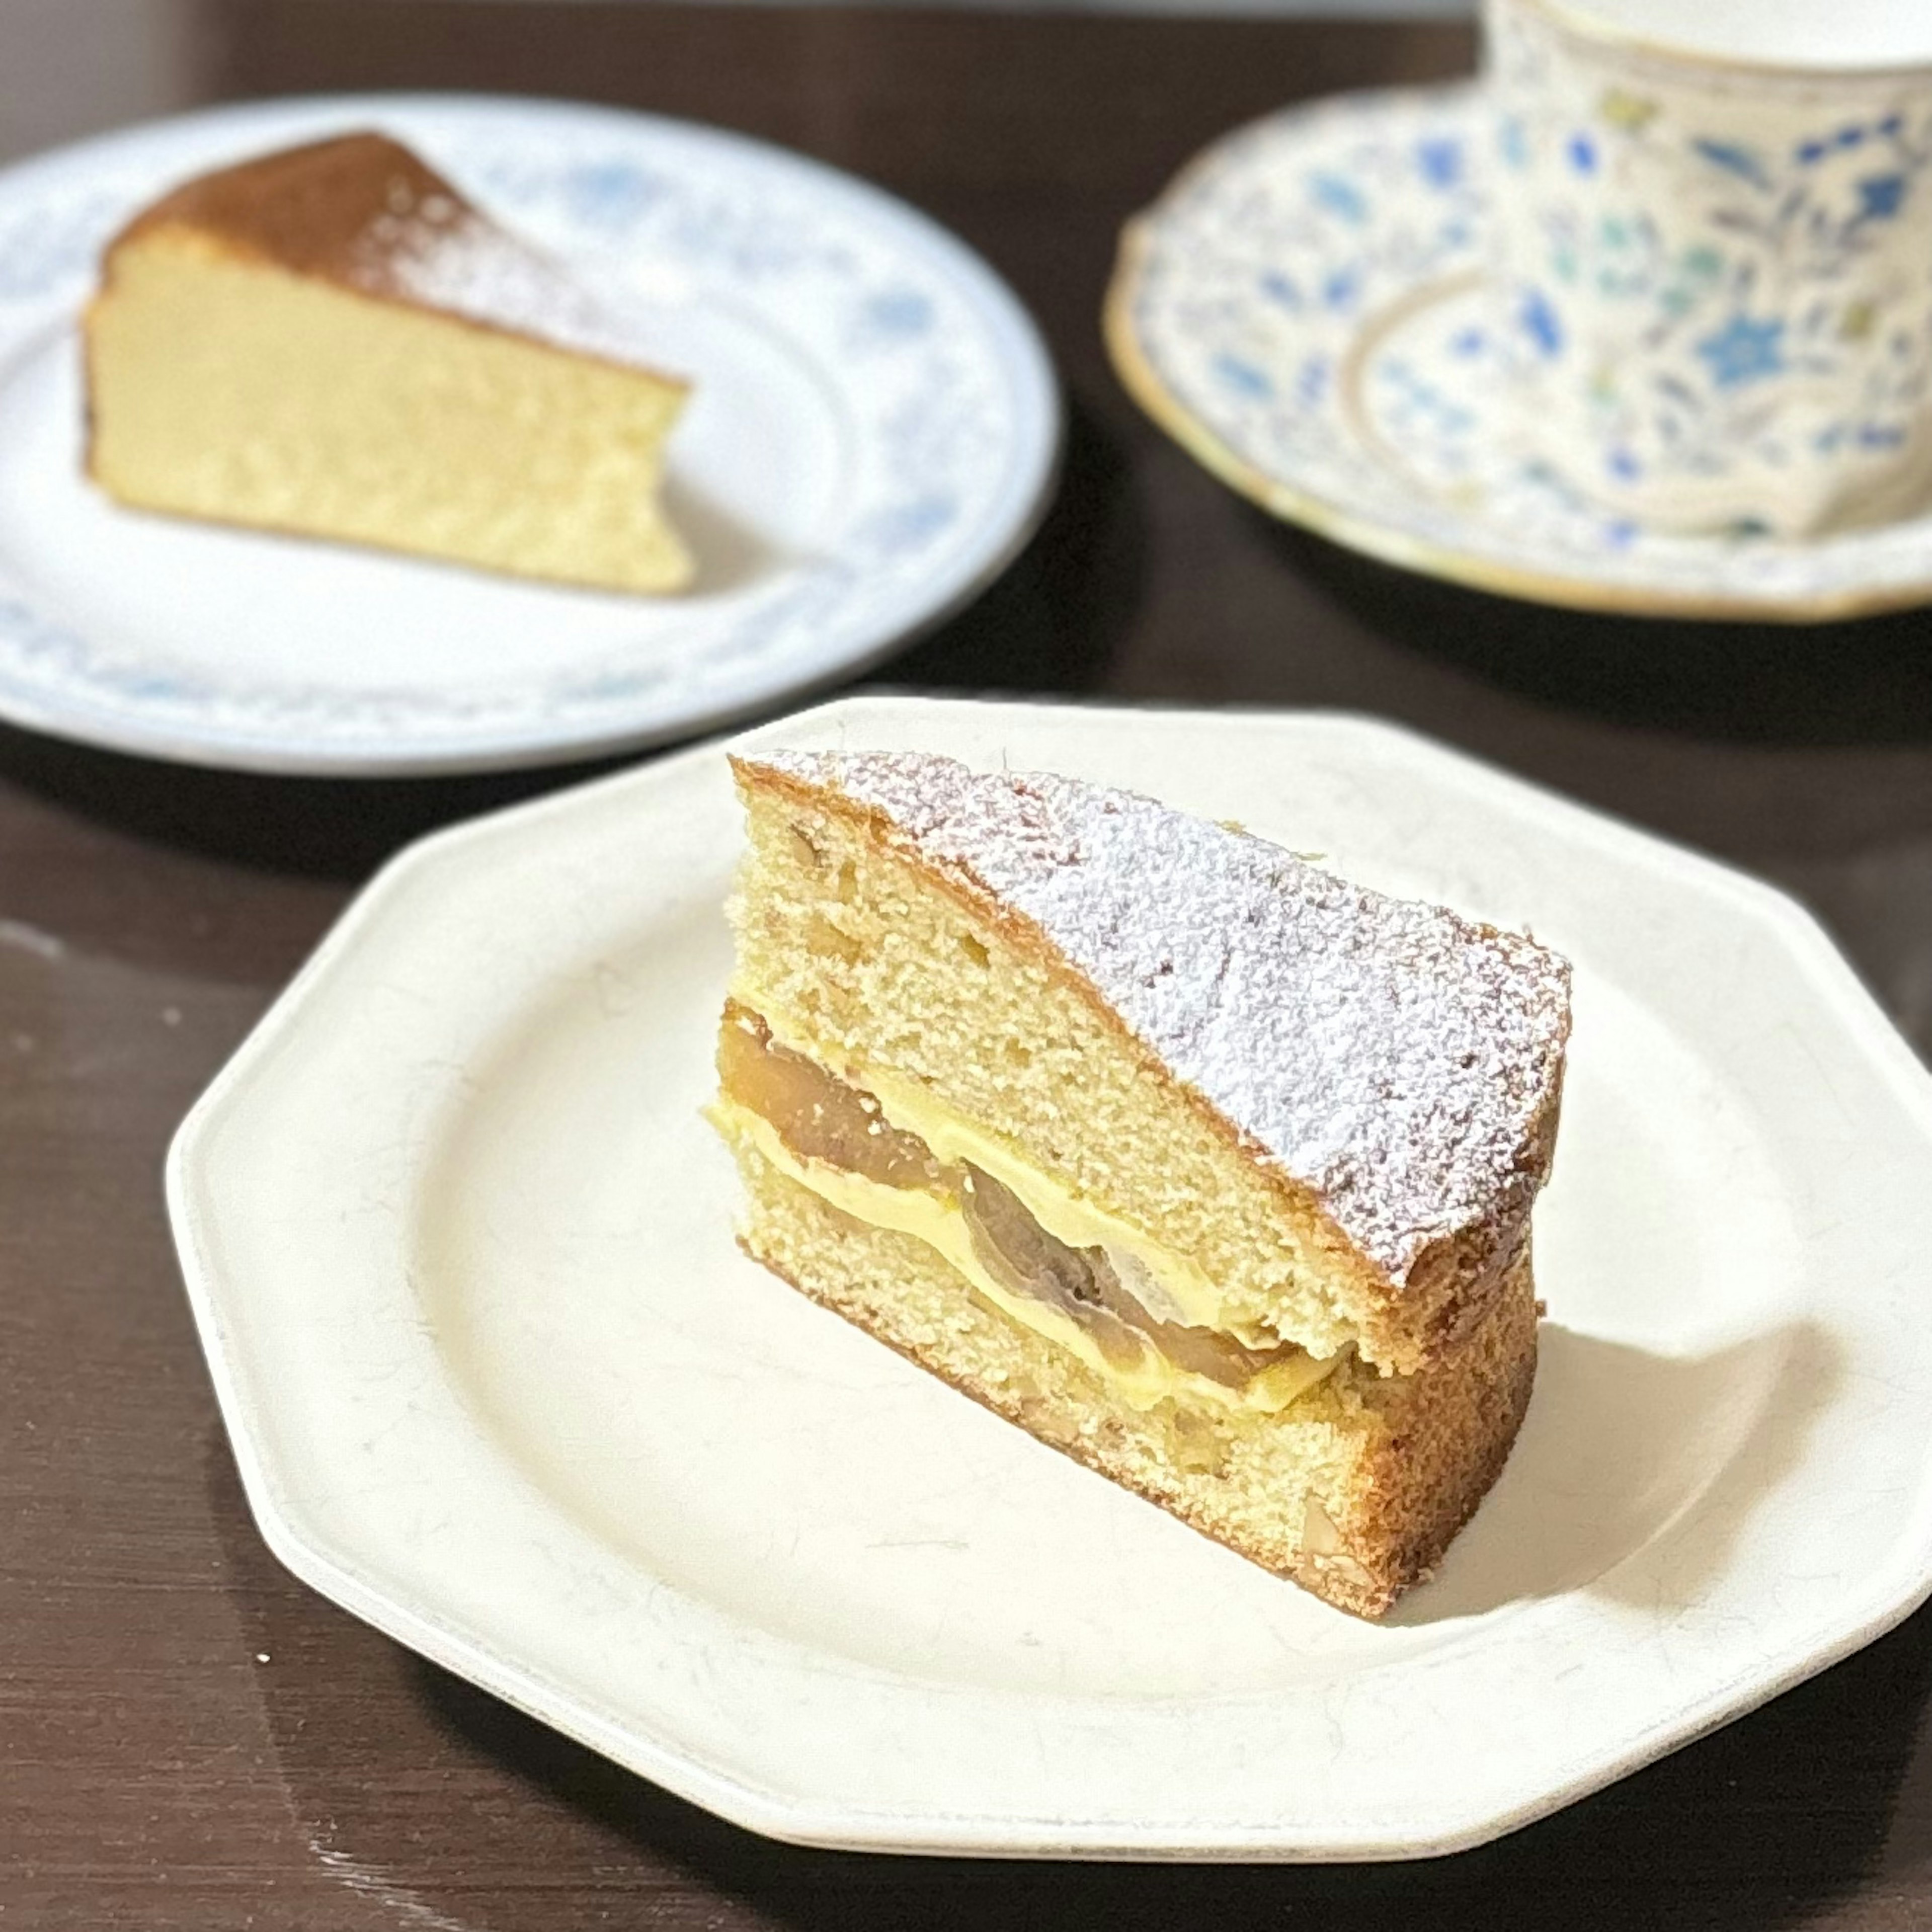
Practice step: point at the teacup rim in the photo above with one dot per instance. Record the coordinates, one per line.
(1580, 25)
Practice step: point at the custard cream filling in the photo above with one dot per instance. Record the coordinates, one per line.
(1177, 1288)
(1170, 1286)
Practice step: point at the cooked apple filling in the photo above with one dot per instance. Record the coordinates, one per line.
(819, 1117)
(825, 1121)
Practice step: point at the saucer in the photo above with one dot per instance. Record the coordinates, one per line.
(871, 437)
(1304, 310)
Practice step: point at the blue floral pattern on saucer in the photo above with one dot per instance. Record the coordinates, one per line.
(1719, 280)
(1306, 311)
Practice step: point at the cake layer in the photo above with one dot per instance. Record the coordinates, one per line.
(239, 392)
(360, 211)
(904, 972)
(1355, 1490)
(330, 341)
(1070, 1287)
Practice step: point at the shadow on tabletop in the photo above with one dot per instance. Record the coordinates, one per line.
(1049, 625)
(415, 1787)
(1864, 681)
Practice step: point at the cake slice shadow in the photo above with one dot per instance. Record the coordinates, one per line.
(727, 553)
(1635, 1471)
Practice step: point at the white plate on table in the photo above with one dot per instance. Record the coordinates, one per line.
(872, 439)
(498, 1380)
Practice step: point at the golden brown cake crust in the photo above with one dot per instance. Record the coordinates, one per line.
(1451, 1427)
(314, 210)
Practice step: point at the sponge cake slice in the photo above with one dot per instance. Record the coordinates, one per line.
(331, 341)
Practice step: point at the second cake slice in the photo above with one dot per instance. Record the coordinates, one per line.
(331, 342)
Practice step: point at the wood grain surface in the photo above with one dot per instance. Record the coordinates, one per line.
(191, 1739)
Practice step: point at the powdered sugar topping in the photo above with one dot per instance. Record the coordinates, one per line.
(1394, 1057)
(433, 250)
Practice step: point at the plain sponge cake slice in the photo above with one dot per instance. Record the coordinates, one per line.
(1197, 1162)
(330, 341)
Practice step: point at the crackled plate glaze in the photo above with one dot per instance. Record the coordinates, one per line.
(498, 1379)
(1304, 311)
(873, 437)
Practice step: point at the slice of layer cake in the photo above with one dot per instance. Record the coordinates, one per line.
(1202, 1165)
(331, 341)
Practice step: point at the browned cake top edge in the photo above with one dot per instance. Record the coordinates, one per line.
(364, 213)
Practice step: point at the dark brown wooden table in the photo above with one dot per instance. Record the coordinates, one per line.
(188, 1738)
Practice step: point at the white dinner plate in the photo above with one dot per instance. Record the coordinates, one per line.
(872, 438)
(498, 1380)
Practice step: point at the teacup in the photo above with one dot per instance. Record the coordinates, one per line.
(1715, 271)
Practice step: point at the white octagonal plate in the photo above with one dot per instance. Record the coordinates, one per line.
(460, 1249)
